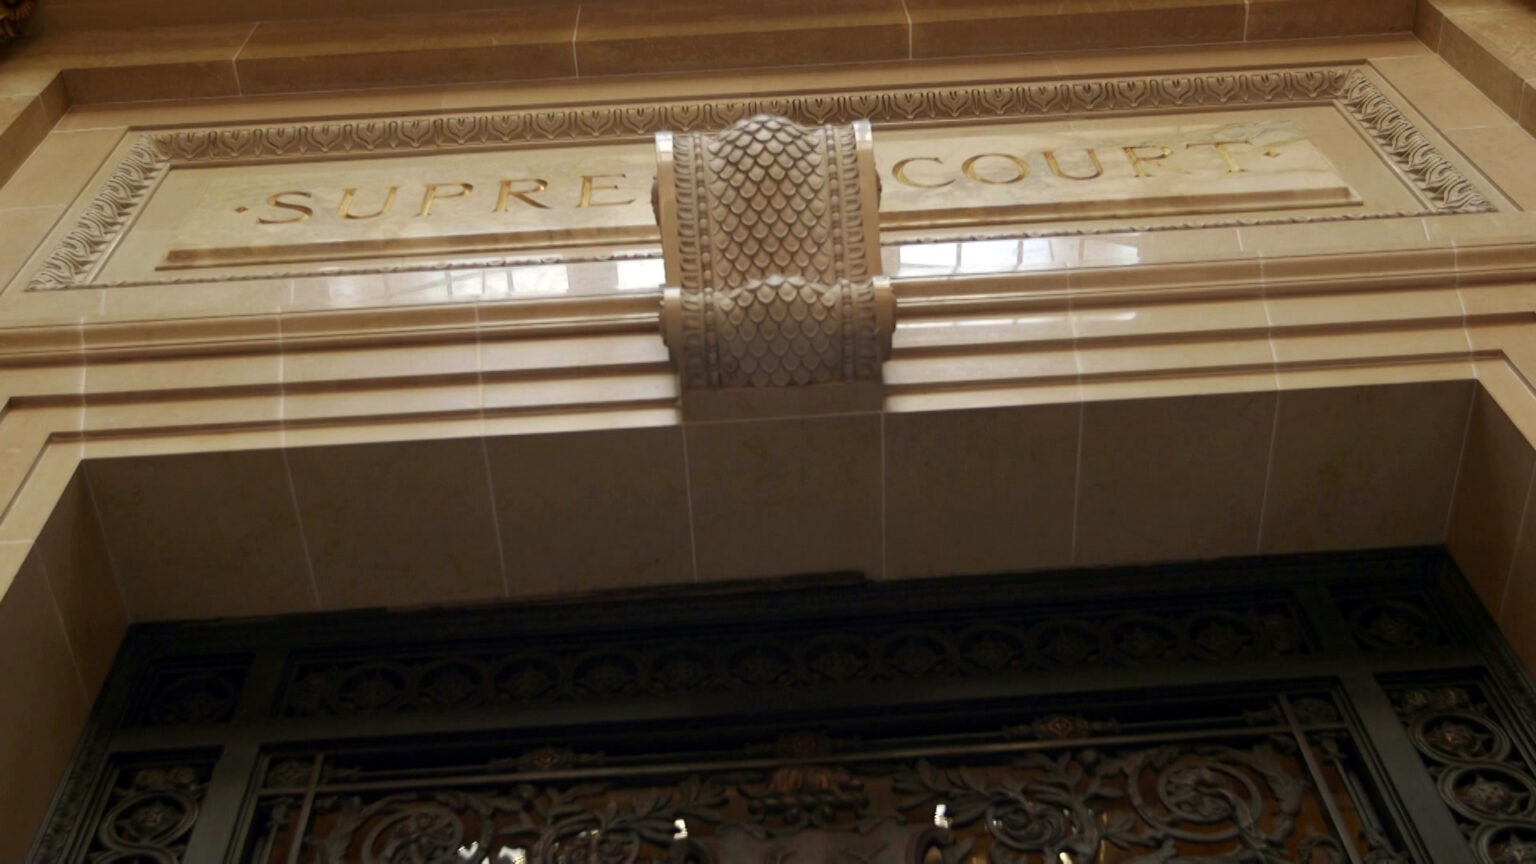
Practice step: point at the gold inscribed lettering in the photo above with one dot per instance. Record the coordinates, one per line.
(347, 196)
(432, 195)
(277, 201)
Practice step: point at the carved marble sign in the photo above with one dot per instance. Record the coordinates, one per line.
(437, 204)
(376, 195)
(1015, 173)
(552, 198)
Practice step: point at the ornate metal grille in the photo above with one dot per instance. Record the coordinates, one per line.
(1352, 709)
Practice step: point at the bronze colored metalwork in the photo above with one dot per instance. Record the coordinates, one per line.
(13, 18)
(1354, 708)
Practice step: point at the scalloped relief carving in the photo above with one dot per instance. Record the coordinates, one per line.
(771, 237)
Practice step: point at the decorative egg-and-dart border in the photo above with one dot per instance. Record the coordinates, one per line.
(79, 254)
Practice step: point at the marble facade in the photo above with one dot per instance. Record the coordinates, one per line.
(1332, 353)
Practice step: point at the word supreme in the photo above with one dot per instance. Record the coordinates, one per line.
(595, 190)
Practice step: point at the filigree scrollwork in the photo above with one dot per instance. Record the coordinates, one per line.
(149, 815)
(1394, 623)
(1165, 803)
(968, 649)
(1479, 772)
(194, 695)
(770, 233)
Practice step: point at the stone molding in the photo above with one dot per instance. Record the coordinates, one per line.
(77, 257)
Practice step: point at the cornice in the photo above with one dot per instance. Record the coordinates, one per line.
(74, 260)
(1334, 275)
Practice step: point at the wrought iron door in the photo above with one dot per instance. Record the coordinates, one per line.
(1352, 708)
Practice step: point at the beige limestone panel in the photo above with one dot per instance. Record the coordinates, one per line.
(950, 28)
(25, 119)
(203, 535)
(600, 420)
(95, 14)
(1297, 19)
(1309, 310)
(456, 359)
(1362, 467)
(111, 48)
(404, 524)
(48, 475)
(1147, 319)
(1220, 353)
(1508, 33)
(55, 379)
(589, 511)
(74, 555)
(1428, 23)
(382, 430)
(1022, 326)
(372, 402)
(59, 168)
(1279, 243)
(388, 51)
(152, 414)
(21, 231)
(507, 354)
(1496, 299)
(915, 400)
(784, 497)
(1505, 154)
(410, 324)
(128, 340)
(1387, 372)
(637, 388)
(1174, 386)
(1167, 479)
(1491, 496)
(622, 38)
(161, 442)
(260, 299)
(1238, 55)
(1051, 363)
(980, 491)
(1469, 54)
(175, 374)
(1126, 281)
(177, 80)
(45, 706)
(367, 290)
(34, 464)
(1356, 344)
(1029, 262)
(1432, 87)
(1502, 381)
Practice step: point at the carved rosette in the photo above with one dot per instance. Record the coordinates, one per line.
(773, 254)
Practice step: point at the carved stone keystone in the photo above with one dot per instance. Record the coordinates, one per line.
(772, 246)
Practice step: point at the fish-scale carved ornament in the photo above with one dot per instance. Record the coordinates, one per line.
(773, 254)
